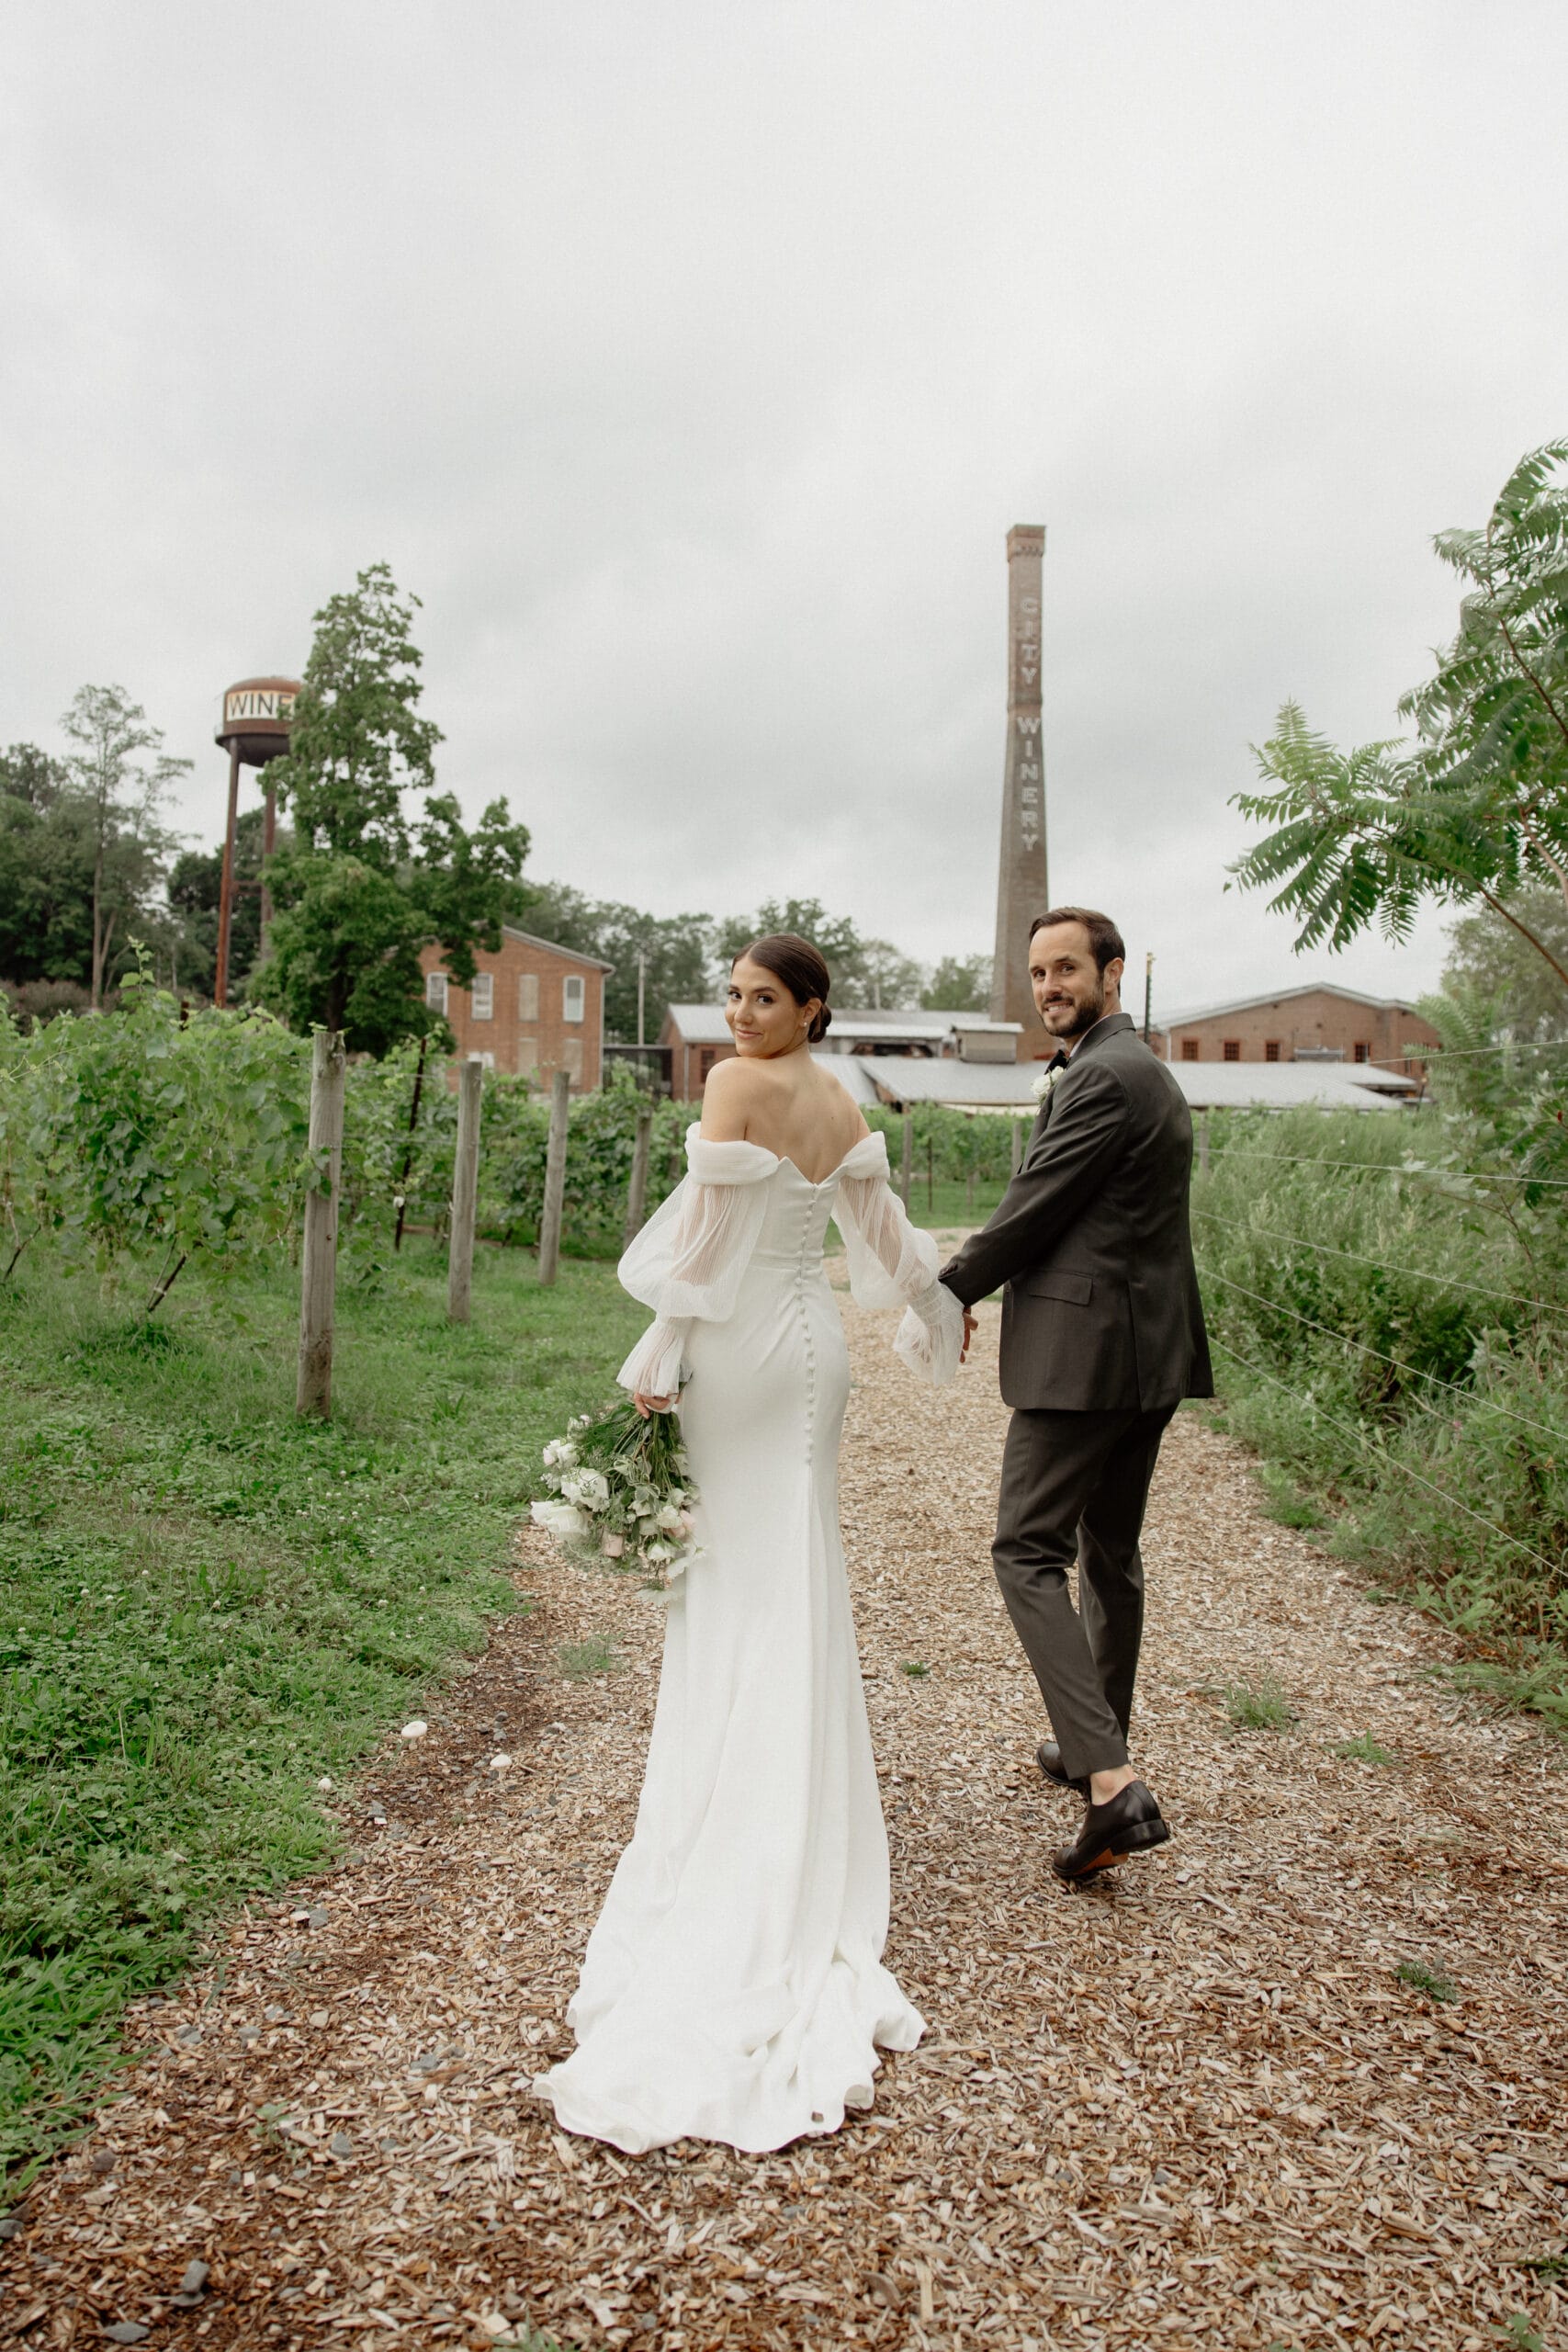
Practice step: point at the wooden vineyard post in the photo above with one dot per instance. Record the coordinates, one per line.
(318, 1259)
(555, 1178)
(637, 1191)
(465, 1193)
(931, 1173)
(1203, 1143)
(907, 1161)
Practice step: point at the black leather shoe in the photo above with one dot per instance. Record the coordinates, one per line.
(1048, 1756)
(1130, 1823)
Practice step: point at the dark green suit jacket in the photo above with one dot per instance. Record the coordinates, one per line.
(1100, 1306)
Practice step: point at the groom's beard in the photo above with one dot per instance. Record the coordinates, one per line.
(1083, 1020)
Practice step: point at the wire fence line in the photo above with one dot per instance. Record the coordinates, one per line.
(1386, 1168)
(1382, 1265)
(1411, 1372)
(1371, 1445)
(1435, 1054)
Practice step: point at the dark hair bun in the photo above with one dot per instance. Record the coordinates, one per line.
(799, 967)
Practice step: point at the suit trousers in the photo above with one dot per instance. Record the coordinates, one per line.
(1074, 1486)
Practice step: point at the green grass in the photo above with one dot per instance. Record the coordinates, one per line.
(1263, 1707)
(913, 1670)
(1430, 1981)
(579, 1661)
(1364, 1750)
(948, 1205)
(1284, 1500)
(206, 1606)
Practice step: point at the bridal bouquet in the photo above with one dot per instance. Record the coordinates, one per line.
(621, 1494)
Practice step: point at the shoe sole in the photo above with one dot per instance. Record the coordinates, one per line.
(1135, 1840)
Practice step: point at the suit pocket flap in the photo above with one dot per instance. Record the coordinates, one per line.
(1076, 1289)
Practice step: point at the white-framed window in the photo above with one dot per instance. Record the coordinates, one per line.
(436, 991)
(571, 1059)
(482, 996)
(488, 1059)
(527, 996)
(574, 998)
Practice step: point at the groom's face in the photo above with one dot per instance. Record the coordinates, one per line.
(1071, 992)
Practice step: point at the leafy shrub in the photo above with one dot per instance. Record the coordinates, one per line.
(1389, 1310)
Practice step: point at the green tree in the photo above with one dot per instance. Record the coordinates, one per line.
(195, 880)
(959, 984)
(1475, 811)
(863, 971)
(886, 978)
(674, 948)
(1493, 960)
(46, 871)
(380, 863)
(122, 773)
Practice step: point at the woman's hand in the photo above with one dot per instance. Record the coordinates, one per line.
(647, 1405)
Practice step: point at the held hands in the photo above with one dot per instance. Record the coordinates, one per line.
(971, 1324)
(647, 1405)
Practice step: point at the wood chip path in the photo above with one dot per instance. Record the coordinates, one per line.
(1193, 2105)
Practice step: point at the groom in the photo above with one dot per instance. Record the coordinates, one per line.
(1102, 1335)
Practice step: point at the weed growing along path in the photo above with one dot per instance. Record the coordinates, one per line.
(206, 1606)
(1195, 2106)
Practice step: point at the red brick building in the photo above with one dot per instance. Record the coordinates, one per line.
(1318, 1022)
(534, 1009)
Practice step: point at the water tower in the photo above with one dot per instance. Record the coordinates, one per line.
(258, 716)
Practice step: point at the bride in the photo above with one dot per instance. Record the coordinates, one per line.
(733, 1988)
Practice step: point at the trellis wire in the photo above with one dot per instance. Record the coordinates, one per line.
(1413, 1371)
(1347, 1429)
(1433, 1055)
(1385, 1167)
(1415, 1273)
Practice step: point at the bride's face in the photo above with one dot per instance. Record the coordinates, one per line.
(763, 1017)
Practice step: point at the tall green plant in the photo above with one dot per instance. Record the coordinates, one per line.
(1475, 810)
(121, 773)
(140, 1132)
(382, 864)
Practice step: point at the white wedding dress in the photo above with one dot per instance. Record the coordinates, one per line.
(733, 1988)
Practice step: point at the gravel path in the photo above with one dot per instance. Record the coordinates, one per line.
(1191, 2105)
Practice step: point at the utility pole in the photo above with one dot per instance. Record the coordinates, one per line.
(226, 885)
(641, 988)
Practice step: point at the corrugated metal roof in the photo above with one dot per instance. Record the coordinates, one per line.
(705, 1025)
(1282, 1086)
(853, 1072)
(700, 1024)
(1208, 1086)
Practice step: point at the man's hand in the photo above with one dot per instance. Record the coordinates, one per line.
(647, 1405)
(971, 1324)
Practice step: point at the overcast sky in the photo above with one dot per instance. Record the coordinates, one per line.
(692, 361)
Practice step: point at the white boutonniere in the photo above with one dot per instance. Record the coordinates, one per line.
(1041, 1090)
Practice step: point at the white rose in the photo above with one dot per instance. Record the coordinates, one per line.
(590, 1489)
(561, 1519)
(669, 1519)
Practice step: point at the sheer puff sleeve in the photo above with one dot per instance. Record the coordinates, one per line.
(892, 1263)
(687, 1262)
